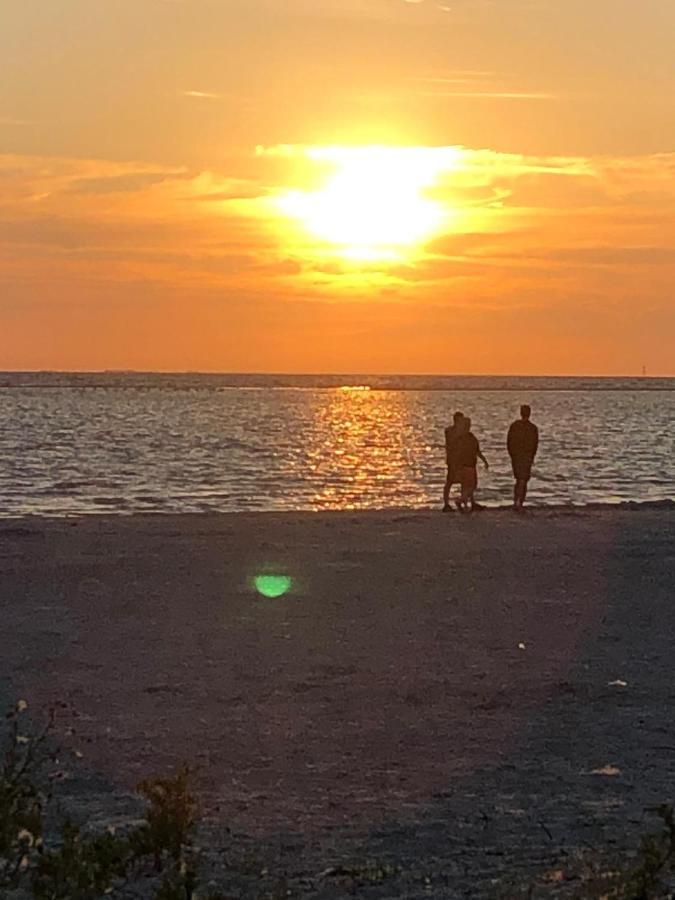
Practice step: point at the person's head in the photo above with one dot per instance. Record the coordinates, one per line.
(466, 423)
(525, 411)
(457, 417)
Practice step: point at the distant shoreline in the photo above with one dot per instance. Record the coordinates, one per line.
(121, 379)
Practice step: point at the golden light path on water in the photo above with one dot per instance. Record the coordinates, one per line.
(373, 203)
(347, 454)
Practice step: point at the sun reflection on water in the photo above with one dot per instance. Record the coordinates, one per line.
(348, 455)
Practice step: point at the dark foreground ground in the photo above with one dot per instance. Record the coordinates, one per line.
(440, 706)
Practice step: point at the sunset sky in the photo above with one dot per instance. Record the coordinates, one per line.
(432, 186)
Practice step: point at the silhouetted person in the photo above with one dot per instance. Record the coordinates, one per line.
(522, 443)
(468, 453)
(452, 434)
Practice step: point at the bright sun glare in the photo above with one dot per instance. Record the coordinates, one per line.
(374, 203)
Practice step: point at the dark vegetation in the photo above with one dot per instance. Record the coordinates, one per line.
(45, 856)
(156, 858)
(649, 876)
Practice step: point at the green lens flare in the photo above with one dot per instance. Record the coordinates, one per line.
(272, 585)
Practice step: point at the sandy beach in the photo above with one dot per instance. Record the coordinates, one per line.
(472, 697)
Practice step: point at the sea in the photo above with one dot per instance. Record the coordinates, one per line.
(128, 442)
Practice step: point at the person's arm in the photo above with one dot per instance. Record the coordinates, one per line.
(481, 457)
(509, 441)
(536, 441)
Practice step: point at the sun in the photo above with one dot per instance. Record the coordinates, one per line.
(374, 202)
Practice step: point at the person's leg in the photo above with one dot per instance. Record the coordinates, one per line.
(463, 499)
(473, 484)
(516, 482)
(521, 472)
(523, 492)
(446, 491)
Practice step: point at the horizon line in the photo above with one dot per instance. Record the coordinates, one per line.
(325, 374)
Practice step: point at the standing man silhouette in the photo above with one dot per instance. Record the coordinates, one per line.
(452, 435)
(522, 443)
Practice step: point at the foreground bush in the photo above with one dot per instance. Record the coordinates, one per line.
(156, 859)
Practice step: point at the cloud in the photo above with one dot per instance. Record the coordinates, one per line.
(236, 191)
(200, 95)
(477, 84)
(521, 222)
(574, 243)
(127, 184)
(9, 121)
(77, 222)
(612, 256)
(491, 95)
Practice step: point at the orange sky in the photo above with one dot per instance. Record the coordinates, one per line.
(183, 185)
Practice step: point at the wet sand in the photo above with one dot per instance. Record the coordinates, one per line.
(434, 690)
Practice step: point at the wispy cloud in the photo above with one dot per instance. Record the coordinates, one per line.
(200, 95)
(491, 95)
(127, 183)
(476, 84)
(9, 121)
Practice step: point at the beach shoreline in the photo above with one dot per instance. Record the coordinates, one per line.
(422, 670)
(531, 508)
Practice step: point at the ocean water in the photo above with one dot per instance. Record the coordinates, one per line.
(125, 443)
